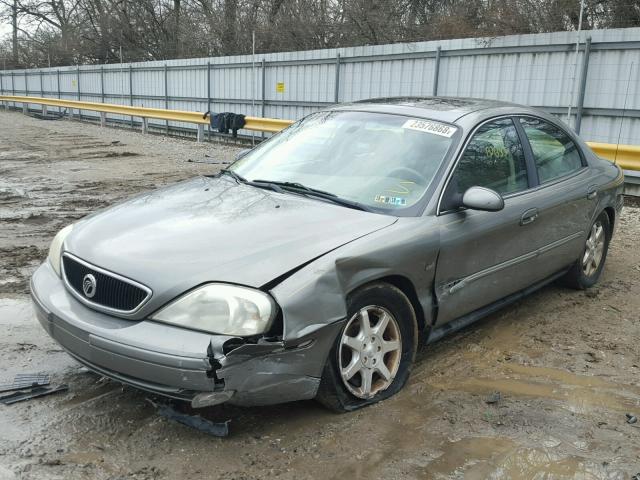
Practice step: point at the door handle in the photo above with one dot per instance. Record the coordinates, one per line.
(529, 216)
(592, 192)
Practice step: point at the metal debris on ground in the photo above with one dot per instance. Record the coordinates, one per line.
(631, 419)
(33, 393)
(25, 380)
(217, 429)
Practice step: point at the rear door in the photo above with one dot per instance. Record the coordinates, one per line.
(566, 196)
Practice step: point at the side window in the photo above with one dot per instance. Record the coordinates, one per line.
(494, 159)
(554, 152)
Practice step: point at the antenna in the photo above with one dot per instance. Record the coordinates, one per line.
(624, 111)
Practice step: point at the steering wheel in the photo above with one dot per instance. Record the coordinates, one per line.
(407, 173)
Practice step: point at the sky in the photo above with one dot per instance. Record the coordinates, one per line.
(5, 29)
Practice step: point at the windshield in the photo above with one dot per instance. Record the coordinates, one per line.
(378, 160)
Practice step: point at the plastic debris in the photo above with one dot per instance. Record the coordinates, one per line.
(25, 380)
(33, 393)
(631, 419)
(217, 429)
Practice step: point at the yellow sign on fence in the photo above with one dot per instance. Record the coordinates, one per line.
(280, 87)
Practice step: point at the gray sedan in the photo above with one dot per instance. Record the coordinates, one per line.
(318, 262)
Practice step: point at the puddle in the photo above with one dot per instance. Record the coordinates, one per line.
(502, 459)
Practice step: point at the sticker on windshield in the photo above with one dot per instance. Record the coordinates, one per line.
(396, 201)
(430, 127)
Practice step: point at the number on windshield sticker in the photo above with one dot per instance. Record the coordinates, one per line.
(430, 127)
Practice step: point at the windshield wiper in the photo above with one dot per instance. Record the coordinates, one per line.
(234, 175)
(295, 186)
(304, 190)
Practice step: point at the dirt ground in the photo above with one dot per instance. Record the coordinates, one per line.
(566, 363)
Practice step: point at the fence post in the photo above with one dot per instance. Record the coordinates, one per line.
(436, 72)
(43, 107)
(102, 83)
(78, 89)
(264, 81)
(336, 90)
(166, 96)
(583, 83)
(58, 84)
(209, 97)
(131, 90)
(25, 106)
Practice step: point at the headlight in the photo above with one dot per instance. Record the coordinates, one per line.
(55, 250)
(222, 309)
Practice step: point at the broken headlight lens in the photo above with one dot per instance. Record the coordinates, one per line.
(55, 250)
(222, 309)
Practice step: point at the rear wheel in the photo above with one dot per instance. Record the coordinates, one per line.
(588, 268)
(372, 357)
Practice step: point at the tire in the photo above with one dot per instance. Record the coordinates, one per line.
(391, 347)
(587, 269)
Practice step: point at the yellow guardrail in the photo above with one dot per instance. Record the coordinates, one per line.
(627, 156)
(258, 124)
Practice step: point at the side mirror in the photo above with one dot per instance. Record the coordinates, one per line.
(481, 198)
(242, 153)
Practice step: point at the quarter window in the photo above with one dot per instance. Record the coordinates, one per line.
(493, 159)
(554, 152)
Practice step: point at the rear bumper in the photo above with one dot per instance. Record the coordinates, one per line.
(176, 362)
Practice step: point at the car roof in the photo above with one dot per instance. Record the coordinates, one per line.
(446, 109)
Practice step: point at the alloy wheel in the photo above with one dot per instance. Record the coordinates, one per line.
(594, 249)
(370, 351)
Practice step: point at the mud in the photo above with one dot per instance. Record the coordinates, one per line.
(566, 363)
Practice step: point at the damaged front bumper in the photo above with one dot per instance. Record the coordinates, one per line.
(184, 364)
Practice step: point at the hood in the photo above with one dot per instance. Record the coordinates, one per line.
(214, 230)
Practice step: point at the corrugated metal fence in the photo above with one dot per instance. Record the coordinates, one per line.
(538, 70)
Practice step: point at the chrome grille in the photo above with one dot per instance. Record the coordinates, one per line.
(111, 292)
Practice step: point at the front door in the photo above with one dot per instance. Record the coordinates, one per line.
(485, 256)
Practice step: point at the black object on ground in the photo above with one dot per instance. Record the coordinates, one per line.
(495, 397)
(33, 393)
(631, 419)
(217, 429)
(25, 380)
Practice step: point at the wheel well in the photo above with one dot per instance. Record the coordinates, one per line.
(406, 286)
(611, 213)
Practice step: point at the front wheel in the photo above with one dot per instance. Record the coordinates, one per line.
(588, 268)
(372, 357)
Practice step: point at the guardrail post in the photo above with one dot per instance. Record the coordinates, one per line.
(25, 108)
(103, 119)
(583, 83)
(436, 72)
(200, 137)
(44, 110)
(145, 125)
(336, 90)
